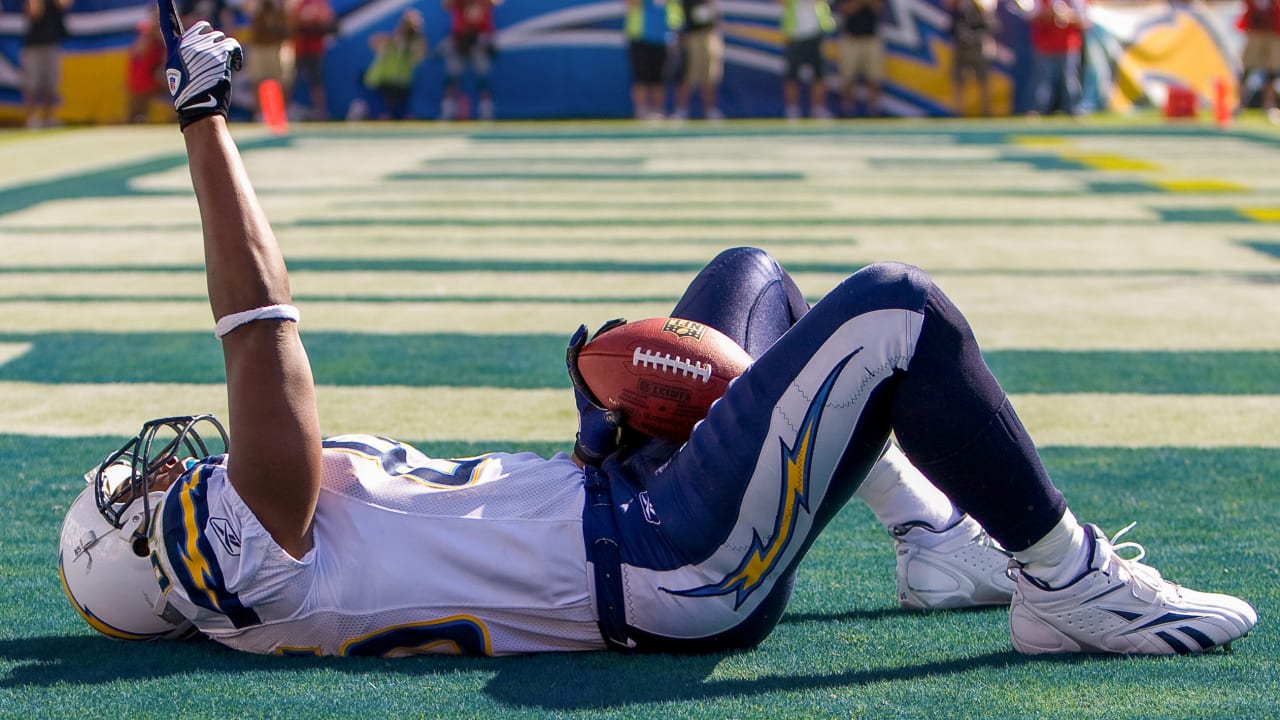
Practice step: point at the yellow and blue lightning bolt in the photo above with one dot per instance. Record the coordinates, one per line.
(191, 555)
(763, 557)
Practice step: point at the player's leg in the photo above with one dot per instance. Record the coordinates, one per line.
(481, 65)
(713, 530)
(875, 75)
(945, 559)
(1073, 592)
(455, 64)
(745, 294)
(732, 512)
(818, 82)
(793, 56)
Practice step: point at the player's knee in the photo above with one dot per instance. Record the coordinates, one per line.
(890, 285)
(746, 262)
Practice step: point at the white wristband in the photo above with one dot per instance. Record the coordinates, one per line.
(270, 312)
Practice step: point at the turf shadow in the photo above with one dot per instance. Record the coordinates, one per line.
(552, 682)
(622, 681)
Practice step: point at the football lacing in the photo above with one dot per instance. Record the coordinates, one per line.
(664, 362)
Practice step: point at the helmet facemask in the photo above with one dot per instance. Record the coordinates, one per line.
(126, 475)
(104, 556)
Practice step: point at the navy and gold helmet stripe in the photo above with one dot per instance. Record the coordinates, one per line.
(96, 622)
(195, 567)
(763, 557)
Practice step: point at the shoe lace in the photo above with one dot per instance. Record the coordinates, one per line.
(1144, 574)
(1128, 544)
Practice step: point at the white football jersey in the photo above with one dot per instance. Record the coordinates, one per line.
(482, 555)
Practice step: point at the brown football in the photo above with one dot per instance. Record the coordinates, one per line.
(663, 373)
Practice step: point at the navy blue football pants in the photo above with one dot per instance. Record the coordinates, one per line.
(710, 532)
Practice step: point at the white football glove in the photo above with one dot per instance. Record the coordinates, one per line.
(199, 66)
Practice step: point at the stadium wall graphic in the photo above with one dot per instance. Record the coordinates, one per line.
(567, 58)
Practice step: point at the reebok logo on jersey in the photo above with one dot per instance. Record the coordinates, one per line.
(227, 534)
(646, 507)
(174, 77)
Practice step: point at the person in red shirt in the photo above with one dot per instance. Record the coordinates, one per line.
(1057, 38)
(311, 24)
(144, 75)
(470, 44)
(1260, 23)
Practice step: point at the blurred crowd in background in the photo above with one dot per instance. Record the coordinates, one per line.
(833, 51)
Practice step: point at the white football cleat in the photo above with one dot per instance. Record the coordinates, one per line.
(1121, 606)
(958, 567)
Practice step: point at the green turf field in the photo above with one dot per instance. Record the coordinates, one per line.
(1123, 279)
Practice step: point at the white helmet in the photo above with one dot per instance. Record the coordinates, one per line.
(107, 573)
(104, 555)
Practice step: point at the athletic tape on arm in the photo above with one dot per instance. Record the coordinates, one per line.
(271, 312)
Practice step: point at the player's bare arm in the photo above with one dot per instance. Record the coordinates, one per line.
(275, 428)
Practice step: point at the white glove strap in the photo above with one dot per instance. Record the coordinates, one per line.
(270, 312)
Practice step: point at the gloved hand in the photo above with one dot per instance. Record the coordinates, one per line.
(600, 431)
(198, 68)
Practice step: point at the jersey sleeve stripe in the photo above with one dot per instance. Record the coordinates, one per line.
(195, 566)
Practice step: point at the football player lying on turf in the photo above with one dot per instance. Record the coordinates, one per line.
(363, 546)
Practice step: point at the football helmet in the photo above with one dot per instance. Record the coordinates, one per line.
(104, 554)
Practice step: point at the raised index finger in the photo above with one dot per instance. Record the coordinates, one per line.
(170, 22)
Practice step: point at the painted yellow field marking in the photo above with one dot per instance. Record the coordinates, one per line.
(1208, 185)
(1039, 140)
(1260, 214)
(1111, 162)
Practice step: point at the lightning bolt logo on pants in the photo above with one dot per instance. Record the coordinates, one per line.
(762, 558)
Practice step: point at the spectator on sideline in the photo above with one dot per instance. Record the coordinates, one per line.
(397, 56)
(265, 54)
(973, 29)
(144, 78)
(217, 13)
(702, 47)
(469, 44)
(1057, 39)
(41, 58)
(1260, 22)
(311, 24)
(861, 53)
(648, 28)
(804, 25)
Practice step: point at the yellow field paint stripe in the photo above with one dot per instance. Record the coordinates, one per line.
(1207, 185)
(1261, 214)
(461, 414)
(1039, 140)
(1111, 162)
